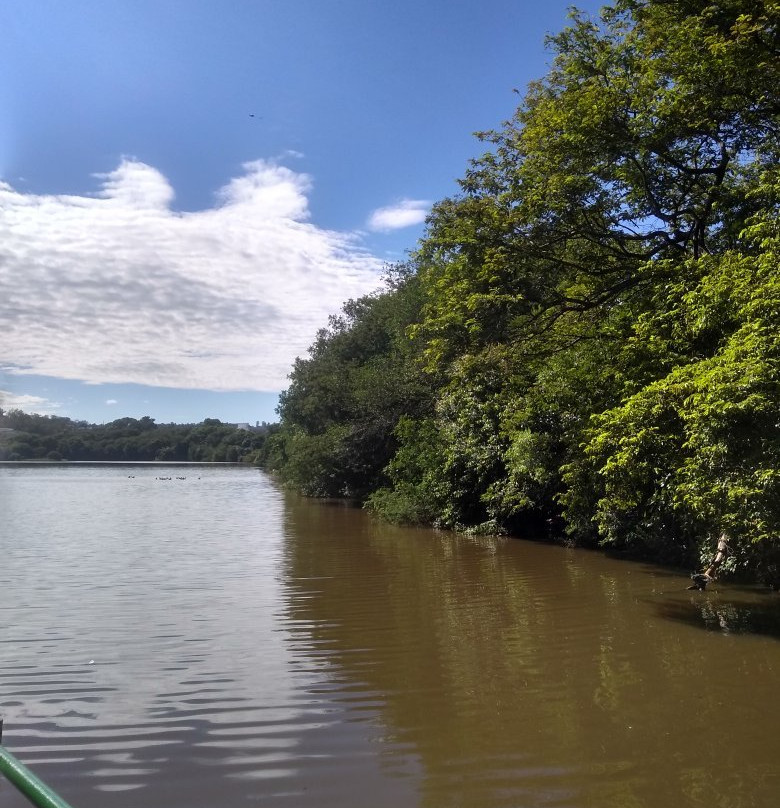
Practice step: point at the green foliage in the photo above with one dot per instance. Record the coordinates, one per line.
(588, 334)
(56, 438)
(697, 451)
(340, 413)
(418, 495)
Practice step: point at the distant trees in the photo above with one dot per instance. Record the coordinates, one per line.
(586, 338)
(54, 438)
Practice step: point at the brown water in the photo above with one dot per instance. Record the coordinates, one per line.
(213, 642)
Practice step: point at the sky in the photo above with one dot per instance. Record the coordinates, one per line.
(190, 188)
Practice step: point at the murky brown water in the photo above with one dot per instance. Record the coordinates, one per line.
(211, 641)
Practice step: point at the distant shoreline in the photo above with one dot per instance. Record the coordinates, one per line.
(168, 463)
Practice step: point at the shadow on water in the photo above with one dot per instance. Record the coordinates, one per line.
(726, 611)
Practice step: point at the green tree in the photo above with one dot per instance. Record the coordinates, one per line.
(630, 169)
(697, 450)
(639, 145)
(595, 313)
(345, 400)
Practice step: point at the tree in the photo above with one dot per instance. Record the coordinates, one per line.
(638, 146)
(624, 182)
(595, 313)
(345, 400)
(697, 450)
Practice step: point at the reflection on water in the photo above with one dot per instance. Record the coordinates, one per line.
(210, 641)
(529, 674)
(728, 612)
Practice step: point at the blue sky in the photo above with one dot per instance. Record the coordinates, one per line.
(188, 188)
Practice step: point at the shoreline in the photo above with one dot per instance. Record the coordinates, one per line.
(169, 463)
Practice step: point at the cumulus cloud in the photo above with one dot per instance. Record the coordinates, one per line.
(28, 403)
(118, 287)
(406, 213)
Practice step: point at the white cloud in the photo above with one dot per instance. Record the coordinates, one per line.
(406, 213)
(28, 403)
(117, 287)
(111, 401)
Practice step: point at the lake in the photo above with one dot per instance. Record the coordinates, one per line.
(211, 640)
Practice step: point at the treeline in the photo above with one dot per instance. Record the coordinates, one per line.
(587, 339)
(39, 437)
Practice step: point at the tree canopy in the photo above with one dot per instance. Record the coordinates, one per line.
(586, 339)
(45, 437)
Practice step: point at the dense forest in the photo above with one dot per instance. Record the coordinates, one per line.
(586, 340)
(25, 436)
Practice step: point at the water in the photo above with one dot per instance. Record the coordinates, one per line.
(213, 641)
